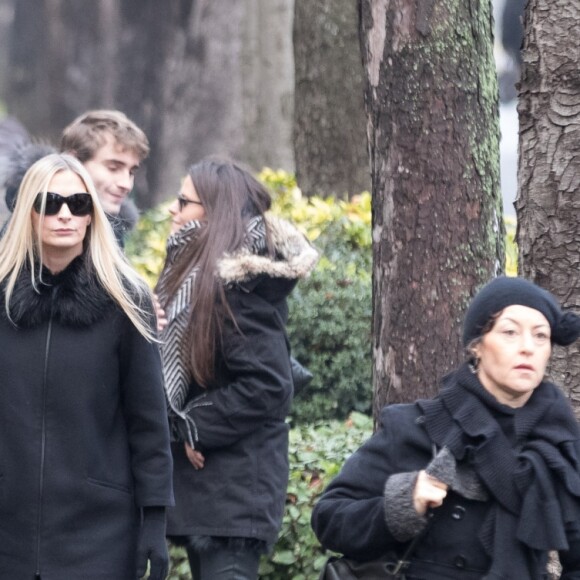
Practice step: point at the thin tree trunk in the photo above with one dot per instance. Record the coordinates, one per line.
(329, 126)
(548, 203)
(432, 109)
(268, 84)
(61, 62)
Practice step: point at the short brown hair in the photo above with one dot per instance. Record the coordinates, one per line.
(86, 134)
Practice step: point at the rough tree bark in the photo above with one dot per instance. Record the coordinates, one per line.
(329, 121)
(200, 77)
(548, 202)
(432, 107)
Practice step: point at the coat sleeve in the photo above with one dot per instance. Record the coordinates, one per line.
(350, 515)
(257, 359)
(145, 412)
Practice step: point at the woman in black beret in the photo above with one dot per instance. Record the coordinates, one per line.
(484, 479)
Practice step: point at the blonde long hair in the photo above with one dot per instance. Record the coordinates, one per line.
(19, 245)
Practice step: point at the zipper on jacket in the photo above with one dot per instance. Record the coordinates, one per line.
(43, 436)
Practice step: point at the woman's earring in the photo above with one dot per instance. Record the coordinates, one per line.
(474, 363)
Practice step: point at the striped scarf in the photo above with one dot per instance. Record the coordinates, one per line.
(176, 373)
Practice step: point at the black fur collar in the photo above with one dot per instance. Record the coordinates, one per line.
(74, 296)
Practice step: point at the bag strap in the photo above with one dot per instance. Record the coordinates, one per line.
(403, 562)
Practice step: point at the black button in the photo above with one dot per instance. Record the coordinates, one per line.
(458, 512)
(460, 562)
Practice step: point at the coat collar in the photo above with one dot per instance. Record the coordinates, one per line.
(534, 480)
(294, 257)
(73, 297)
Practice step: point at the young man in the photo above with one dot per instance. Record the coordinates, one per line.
(110, 146)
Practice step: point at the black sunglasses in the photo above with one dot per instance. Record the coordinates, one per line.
(79, 204)
(183, 201)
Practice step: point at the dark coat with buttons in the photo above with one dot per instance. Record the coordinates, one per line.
(84, 441)
(350, 516)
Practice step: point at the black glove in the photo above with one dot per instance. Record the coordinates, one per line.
(152, 546)
(301, 376)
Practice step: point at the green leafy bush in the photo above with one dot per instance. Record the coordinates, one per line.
(511, 248)
(317, 452)
(145, 246)
(330, 333)
(330, 312)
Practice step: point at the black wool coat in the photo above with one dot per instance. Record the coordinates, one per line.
(350, 517)
(84, 441)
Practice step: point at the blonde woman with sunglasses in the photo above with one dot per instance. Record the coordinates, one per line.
(85, 465)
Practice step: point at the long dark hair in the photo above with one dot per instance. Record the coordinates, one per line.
(231, 196)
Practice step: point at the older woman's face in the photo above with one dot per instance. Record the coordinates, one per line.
(513, 355)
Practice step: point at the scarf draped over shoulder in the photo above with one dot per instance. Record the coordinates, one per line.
(176, 373)
(534, 483)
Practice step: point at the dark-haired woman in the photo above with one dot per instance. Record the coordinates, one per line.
(504, 486)
(228, 272)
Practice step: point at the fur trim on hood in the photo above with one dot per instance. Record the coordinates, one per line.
(79, 299)
(18, 163)
(295, 257)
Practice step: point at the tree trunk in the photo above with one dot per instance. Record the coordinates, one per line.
(220, 91)
(61, 62)
(199, 77)
(268, 84)
(548, 203)
(28, 79)
(432, 108)
(6, 23)
(329, 135)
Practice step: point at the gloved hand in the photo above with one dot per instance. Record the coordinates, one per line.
(152, 546)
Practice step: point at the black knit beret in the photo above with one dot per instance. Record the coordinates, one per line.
(506, 291)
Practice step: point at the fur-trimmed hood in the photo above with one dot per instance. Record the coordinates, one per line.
(294, 257)
(73, 297)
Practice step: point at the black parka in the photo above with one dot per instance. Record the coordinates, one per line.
(240, 423)
(83, 431)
